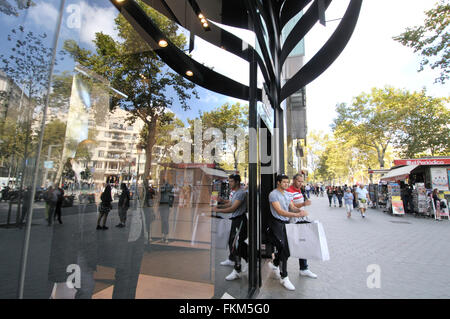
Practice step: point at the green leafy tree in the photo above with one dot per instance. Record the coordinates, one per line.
(133, 68)
(431, 40)
(227, 117)
(424, 129)
(13, 9)
(372, 120)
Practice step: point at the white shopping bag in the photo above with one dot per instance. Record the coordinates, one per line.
(307, 241)
(221, 232)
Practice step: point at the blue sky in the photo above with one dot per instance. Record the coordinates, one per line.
(371, 59)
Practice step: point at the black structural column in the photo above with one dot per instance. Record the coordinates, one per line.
(253, 213)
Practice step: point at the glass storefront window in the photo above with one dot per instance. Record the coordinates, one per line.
(115, 117)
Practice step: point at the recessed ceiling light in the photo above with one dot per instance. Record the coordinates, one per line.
(162, 43)
(205, 24)
(200, 16)
(189, 73)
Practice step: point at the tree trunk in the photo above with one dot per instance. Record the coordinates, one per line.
(151, 140)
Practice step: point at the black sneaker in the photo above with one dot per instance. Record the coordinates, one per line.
(119, 225)
(104, 227)
(99, 227)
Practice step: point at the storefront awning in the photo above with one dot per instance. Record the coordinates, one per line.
(400, 173)
(214, 172)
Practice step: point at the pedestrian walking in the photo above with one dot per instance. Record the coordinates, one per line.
(164, 209)
(51, 199)
(355, 198)
(334, 195)
(59, 202)
(104, 207)
(237, 206)
(330, 194)
(298, 199)
(280, 204)
(363, 199)
(124, 204)
(348, 199)
(339, 195)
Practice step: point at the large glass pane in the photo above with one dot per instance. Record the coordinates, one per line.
(129, 166)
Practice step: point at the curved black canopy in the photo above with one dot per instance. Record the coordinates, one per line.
(265, 17)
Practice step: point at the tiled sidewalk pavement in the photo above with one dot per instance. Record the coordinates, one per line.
(413, 255)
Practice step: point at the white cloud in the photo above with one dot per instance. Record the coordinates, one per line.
(96, 19)
(44, 15)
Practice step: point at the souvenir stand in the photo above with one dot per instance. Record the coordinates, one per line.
(421, 202)
(395, 203)
(382, 193)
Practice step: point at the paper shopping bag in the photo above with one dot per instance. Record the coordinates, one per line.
(221, 232)
(307, 241)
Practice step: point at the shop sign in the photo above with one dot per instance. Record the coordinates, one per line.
(48, 164)
(439, 178)
(397, 206)
(434, 161)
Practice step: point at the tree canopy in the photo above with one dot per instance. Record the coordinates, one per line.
(431, 40)
(412, 122)
(133, 68)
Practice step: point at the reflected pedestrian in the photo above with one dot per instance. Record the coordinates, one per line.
(50, 201)
(237, 206)
(124, 204)
(105, 207)
(60, 199)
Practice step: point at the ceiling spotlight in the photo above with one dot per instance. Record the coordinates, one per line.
(189, 73)
(205, 25)
(120, 1)
(162, 43)
(203, 20)
(201, 16)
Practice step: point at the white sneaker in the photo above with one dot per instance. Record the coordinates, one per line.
(272, 266)
(244, 267)
(286, 283)
(234, 275)
(308, 273)
(227, 263)
(275, 270)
